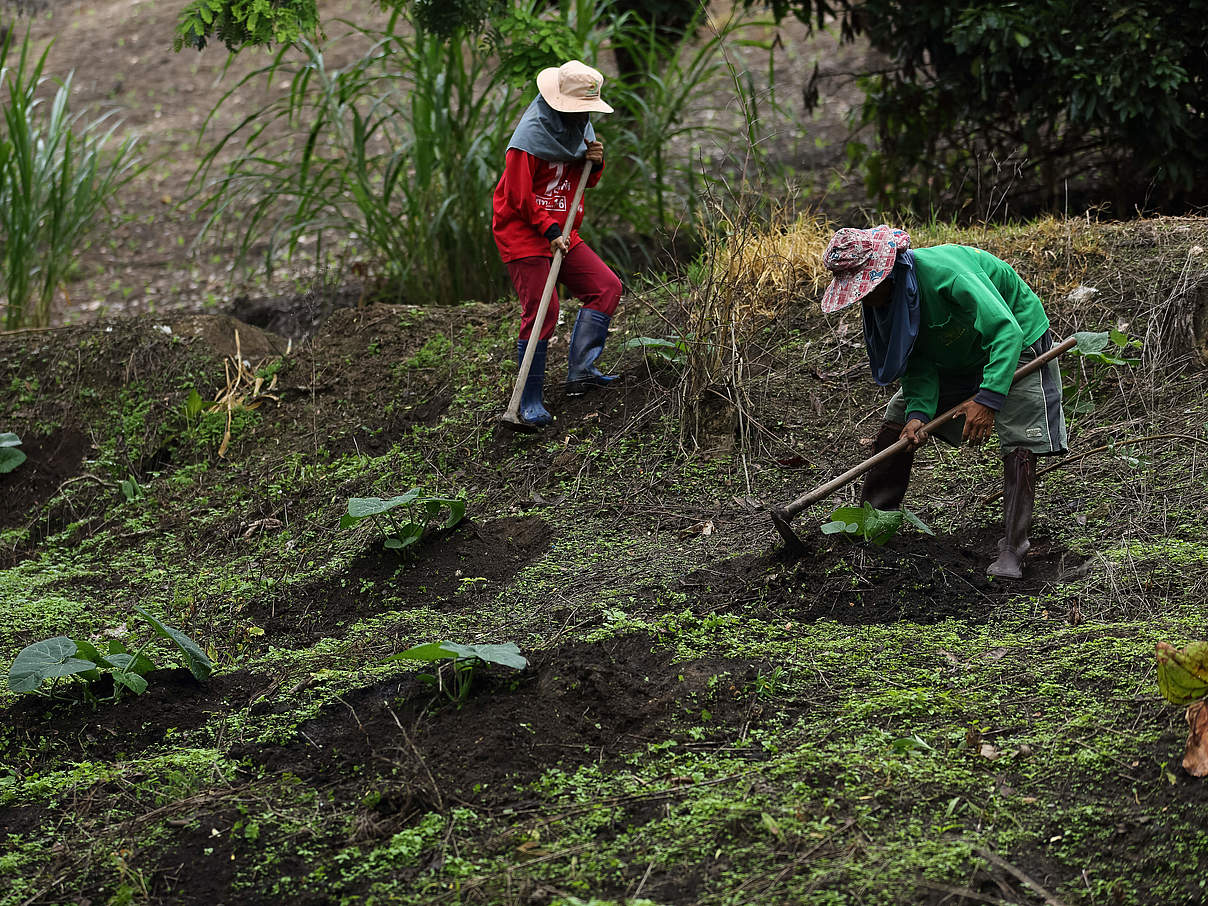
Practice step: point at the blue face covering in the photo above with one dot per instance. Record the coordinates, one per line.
(890, 332)
(545, 133)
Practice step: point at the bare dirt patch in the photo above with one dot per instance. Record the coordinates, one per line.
(41, 730)
(51, 460)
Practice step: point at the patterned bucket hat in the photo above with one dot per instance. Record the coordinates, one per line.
(859, 259)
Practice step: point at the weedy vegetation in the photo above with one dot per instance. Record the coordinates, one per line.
(58, 174)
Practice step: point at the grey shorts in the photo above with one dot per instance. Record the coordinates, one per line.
(1030, 419)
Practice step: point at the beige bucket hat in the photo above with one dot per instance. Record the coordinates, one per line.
(573, 87)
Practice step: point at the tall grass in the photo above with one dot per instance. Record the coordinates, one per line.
(395, 155)
(396, 152)
(55, 179)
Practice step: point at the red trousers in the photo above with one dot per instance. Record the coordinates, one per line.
(584, 275)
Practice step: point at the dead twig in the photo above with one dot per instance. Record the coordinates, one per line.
(1017, 873)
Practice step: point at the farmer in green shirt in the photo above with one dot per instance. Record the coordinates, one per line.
(952, 323)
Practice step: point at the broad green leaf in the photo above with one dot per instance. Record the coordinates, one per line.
(871, 524)
(507, 654)
(669, 350)
(881, 525)
(8, 439)
(1118, 337)
(918, 523)
(10, 458)
(431, 651)
(194, 658)
(128, 663)
(362, 507)
(48, 659)
(1090, 343)
(1183, 674)
(86, 649)
(131, 681)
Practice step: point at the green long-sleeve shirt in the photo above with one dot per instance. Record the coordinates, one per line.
(976, 315)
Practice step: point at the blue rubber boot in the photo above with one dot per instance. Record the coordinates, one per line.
(586, 344)
(532, 404)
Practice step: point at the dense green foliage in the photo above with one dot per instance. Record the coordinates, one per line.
(57, 174)
(1025, 106)
(237, 23)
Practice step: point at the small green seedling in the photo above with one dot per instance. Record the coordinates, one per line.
(10, 456)
(460, 661)
(871, 524)
(421, 510)
(673, 350)
(1091, 346)
(60, 657)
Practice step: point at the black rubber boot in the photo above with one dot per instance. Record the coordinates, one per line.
(885, 484)
(532, 400)
(1018, 501)
(586, 344)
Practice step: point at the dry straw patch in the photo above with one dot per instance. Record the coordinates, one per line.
(766, 265)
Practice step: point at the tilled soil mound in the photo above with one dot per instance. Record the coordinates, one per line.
(574, 705)
(914, 577)
(68, 729)
(454, 569)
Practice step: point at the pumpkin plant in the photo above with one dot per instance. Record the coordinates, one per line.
(10, 456)
(401, 531)
(870, 524)
(80, 660)
(455, 671)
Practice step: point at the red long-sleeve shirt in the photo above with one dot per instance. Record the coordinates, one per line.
(532, 196)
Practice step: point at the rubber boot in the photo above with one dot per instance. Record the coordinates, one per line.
(1018, 501)
(885, 484)
(532, 404)
(586, 344)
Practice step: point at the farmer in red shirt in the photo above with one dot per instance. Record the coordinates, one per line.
(544, 159)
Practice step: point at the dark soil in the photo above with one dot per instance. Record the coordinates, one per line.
(68, 729)
(51, 460)
(574, 705)
(445, 569)
(915, 577)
